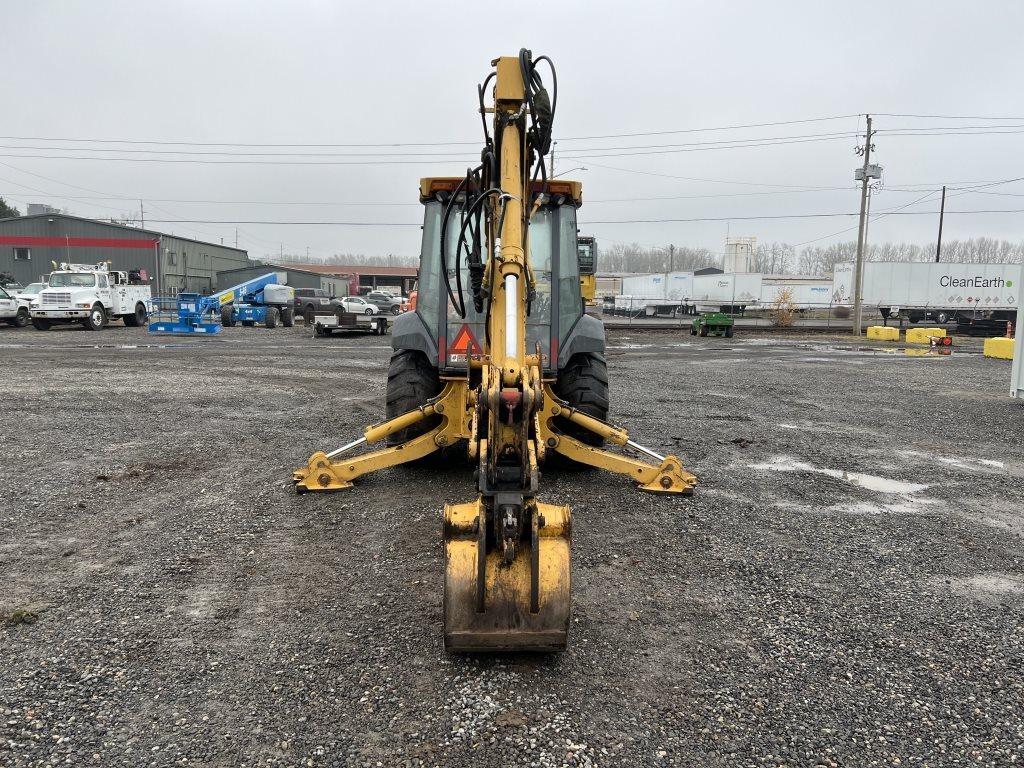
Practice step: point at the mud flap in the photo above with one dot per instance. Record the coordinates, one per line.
(489, 606)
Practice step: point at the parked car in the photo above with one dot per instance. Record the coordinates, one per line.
(385, 301)
(13, 311)
(309, 300)
(358, 305)
(29, 292)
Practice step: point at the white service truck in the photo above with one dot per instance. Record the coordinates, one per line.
(91, 295)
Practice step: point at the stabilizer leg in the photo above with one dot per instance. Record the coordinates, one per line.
(324, 473)
(667, 476)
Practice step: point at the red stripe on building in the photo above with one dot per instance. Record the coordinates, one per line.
(76, 242)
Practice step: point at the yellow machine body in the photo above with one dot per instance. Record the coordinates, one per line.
(507, 554)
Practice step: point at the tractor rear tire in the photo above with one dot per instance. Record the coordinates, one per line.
(287, 317)
(412, 380)
(728, 332)
(227, 316)
(583, 383)
(272, 316)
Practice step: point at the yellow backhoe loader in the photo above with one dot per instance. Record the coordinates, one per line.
(500, 360)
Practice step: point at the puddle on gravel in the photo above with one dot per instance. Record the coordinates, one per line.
(967, 463)
(926, 352)
(868, 482)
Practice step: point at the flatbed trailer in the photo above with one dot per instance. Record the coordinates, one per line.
(349, 322)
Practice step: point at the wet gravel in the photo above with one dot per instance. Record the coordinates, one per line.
(167, 600)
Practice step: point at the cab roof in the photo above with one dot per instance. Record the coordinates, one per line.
(432, 185)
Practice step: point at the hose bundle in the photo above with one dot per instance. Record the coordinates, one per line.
(479, 194)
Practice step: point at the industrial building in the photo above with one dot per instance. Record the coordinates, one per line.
(336, 279)
(31, 245)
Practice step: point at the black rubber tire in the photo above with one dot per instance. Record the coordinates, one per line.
(396, 310)
(21, 318)
(248, 323)
(728, 332)
(693, 330)
(227, 316)
(40, 324)
(137, 318)
(583, 384)
(412, 380)
(272, 316)
(703, 330)
(287, 317)
(368, 311)
(942, 318)
(97, 318)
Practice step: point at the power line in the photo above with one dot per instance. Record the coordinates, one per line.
(158, 142)
(587, 223)
(840, 134)
(404, 161)
(226, 162)
(945, 117)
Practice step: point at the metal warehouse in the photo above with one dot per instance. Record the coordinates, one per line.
(29, 245)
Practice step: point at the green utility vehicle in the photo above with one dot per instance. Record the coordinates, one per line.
(712, 324)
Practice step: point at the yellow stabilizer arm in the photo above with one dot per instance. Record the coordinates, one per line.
(323, 473)
(668, 476)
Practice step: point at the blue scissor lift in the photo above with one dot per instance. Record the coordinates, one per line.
(264, 299)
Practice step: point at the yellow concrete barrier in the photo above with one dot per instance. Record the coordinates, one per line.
(923, 335)
(1000, 347)
(884, 333)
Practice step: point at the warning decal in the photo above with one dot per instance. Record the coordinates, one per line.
(465, 342)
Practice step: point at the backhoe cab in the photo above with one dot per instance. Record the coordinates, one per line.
(500, 360)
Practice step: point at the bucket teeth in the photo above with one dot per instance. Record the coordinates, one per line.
(521, 606)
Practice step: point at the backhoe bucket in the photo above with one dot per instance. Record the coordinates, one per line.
(490, 606)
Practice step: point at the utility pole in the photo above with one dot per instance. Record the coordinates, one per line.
(858, 271)
(280, 251)
(942, 214)
(671, 258)
(142, 215)
(236, 237)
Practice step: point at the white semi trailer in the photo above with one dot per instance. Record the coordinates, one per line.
(940, 291)
(805, 293)
(660, 293)
(730, 292)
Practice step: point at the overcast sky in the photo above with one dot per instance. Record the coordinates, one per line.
(359, 73)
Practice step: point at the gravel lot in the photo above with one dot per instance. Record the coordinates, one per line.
(168, 600)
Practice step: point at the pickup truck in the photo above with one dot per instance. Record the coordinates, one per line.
(91, 295)
(311, 301)
(13, 311)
